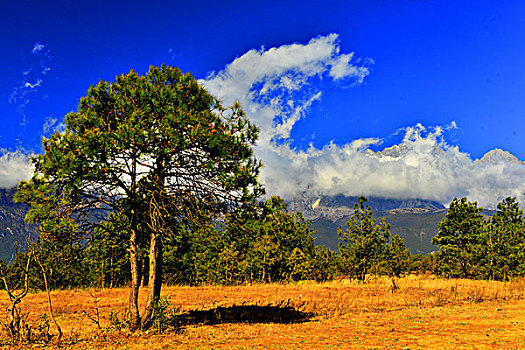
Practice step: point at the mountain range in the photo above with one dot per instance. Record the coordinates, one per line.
(414, 220)
(14, 232)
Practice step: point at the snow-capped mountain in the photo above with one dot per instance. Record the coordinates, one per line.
(499, 156)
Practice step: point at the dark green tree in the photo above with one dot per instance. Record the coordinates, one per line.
(364, 241)
(209, 256)
(325, 265)
(143, 152)
(422, 264)
(286, 245)
(105, 258)
(398, 260)
(504, 247)
(259, 243)
(271, 243)
(460, 237)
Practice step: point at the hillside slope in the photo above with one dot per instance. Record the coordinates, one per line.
(14, 232)
(414, 220)
(416, 228)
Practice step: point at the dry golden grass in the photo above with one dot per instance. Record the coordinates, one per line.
(424, 313)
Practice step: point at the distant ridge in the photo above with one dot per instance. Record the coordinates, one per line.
(340, 205)
(14, 232)
(414, 220)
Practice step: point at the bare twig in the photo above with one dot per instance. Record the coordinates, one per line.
(44, 275)
(16, 323)
(95, 319)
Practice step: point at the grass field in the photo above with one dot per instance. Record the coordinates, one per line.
(423, 313)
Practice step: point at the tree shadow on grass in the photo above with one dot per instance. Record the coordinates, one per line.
(241, 314)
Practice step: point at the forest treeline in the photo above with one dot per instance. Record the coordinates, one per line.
(268, 243)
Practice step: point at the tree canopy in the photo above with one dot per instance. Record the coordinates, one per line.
(141, 155)
(459, 235)
(364, 240)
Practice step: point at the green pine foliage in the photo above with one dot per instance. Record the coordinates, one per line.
(473, 246)
(364, 242)
(252, 244)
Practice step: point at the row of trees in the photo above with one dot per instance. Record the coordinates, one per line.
(473, 246)
(261, 243)
(268, 243)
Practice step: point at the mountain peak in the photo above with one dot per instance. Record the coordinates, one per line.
(497, 156)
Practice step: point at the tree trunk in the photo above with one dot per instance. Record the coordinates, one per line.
(143, 271)
(363, 272)
(159, 268)
(102, 279)
(154, 278)
(111, 273)
(156, 225)
(134, 316)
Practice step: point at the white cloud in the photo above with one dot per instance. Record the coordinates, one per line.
(276, 83)
(52, 125)
(32, 86)
(14, 166)
(38, 62)
(37, 47)
(276, 89)
(342, 68)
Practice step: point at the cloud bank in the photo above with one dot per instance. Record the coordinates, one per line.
(277, 87)
(14, 166)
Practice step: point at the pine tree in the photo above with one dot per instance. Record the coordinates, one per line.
(460, 236)
(142, 153)
(364, 241)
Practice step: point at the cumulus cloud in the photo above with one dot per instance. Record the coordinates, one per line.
(14, 166)
(276, 87)
(38, 61)
(274, 84)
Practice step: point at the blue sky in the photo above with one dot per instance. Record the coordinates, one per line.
(452, 71)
